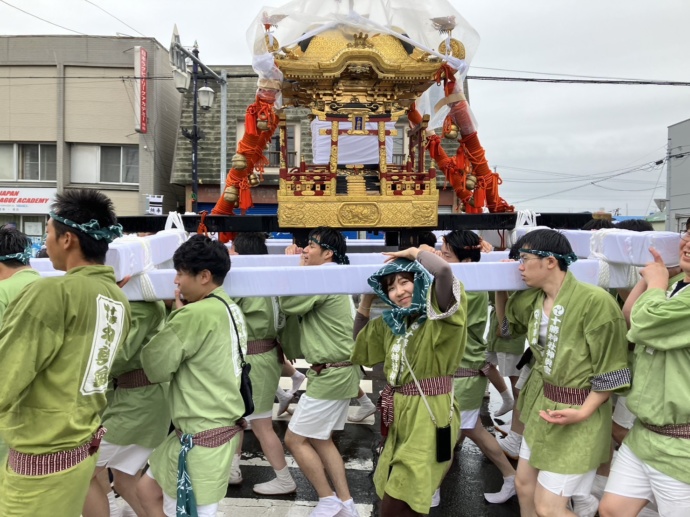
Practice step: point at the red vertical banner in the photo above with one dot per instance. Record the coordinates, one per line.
(140, 89)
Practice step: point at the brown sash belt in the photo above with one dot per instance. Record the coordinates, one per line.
(43, 464)
(570, 396)
(213, 437)
(430, 387)
(260, 346)
(133, 379)
(672, 430)
(319, 367)
(461, 373)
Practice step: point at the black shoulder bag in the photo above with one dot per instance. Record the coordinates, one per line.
(245, 381)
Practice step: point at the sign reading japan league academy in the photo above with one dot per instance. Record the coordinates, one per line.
(26, 200)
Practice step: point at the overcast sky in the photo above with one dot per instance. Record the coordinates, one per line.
(543, 138)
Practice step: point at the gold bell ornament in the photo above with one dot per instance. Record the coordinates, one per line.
(253, 180)
(470, 182)
(451, 133)
(239, 162)
(231, 194)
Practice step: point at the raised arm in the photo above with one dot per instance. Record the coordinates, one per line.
(443, 276)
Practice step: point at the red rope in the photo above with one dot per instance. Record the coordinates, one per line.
(202, 224)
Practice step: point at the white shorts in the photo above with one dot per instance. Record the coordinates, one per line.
(468, 419)
(632, 477)
(492, 357)
(622, 415)
(566, 485)
(129, 459)
(507, 364)
(524, 375)
(170, 505)
(317, 418)
(257, 416)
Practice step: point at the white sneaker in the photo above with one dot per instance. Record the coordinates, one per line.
(127, 511)
(585, 506)
(500, 430)
(115, 508)
(284, 399)
(361, 413)
(327, 507)
(647, 512)
(349, 509)
(276, 487)
(510, 445)
(235, 472)
(436, 498)
(599, 486)
(507, 491)
(507, 406)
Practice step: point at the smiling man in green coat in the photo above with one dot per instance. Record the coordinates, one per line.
(653, 463)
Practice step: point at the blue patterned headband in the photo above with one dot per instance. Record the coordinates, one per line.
(92, 228)
(24, 257)
(568, 258)
(339, 259)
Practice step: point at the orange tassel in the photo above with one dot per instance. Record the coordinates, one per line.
(202, 224)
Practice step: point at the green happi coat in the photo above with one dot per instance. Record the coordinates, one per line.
(469, 391)
(326, 337)
(58, 341)
(660, 393)
(509, 345)
(9, 289)
(12, 286)
(263, 319)
(138, 416)
(407, 469)
(196, 352)
(586, 349)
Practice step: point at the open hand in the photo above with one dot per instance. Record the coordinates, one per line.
(562, 416)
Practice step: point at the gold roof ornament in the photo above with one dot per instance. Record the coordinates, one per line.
(338, 68)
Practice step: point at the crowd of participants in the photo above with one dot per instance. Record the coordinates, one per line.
(150, 400)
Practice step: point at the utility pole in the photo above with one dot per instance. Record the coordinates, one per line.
(668, 187)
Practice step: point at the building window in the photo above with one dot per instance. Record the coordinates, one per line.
(117, 164)
(28, 162)
(273, 153)
(37, 162)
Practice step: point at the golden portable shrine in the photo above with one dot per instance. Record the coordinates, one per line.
(358, 73)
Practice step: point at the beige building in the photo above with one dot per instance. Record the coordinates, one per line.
(75, 113)
(678, 176)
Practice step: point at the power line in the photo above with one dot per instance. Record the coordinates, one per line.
(559, 74)
(578, 187)
(42, 19)
(113, 16)
(641, 82)
(478, 78)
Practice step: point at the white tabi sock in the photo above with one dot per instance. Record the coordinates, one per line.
(283, 474)
(297, 380)
(365, 401)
